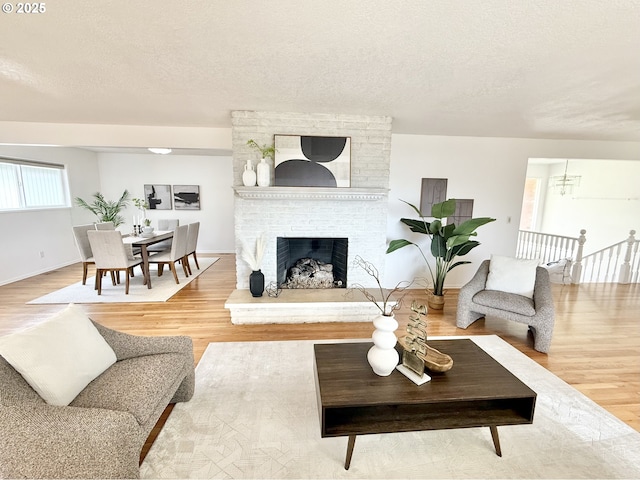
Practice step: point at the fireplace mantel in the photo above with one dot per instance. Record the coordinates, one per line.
(310, 193)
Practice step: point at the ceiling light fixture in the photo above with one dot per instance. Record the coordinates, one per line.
(564, 184)
(161, 151)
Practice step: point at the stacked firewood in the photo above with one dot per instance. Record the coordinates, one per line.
(310, 273)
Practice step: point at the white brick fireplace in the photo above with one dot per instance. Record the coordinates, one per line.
(358, 213)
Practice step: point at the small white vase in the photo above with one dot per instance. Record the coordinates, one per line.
(264, 173)
(249, 175)
(383, 356)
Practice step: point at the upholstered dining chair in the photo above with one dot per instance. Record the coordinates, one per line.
(105, 226)
(110, 226)
(177, 253)
(84, 247)
(192, 243)
(535, 308)
(110, 255)
(164, 225)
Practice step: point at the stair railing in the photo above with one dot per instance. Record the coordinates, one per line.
(619, 262)
(549, 248)
(616, 263)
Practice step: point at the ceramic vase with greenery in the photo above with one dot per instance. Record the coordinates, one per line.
(106, 210)
(147, 229)
(447, 243)
(263, 169)
(142, 205)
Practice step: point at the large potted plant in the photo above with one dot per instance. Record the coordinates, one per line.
(106, 210)
(448, 242)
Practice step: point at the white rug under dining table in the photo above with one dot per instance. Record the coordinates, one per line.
(163, 288)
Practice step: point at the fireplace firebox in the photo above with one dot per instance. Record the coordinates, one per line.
(304, 262)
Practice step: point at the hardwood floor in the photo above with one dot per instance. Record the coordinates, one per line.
(596, 343)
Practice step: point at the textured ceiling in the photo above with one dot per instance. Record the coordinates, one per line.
(543, 69)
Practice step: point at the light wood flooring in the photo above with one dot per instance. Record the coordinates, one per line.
(596, 343)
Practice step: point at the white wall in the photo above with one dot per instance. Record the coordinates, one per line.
(606, 204)
(492, 171)
(214, 175)
(73, 134)
(27, 233)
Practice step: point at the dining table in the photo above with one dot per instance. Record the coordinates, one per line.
(143, 242)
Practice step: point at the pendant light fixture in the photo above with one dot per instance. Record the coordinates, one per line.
(564, 184)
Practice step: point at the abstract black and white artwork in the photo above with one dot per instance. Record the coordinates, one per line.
(312, 161)
(186, 197)
(158, 196)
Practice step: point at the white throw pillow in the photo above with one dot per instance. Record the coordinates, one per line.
(512, 275)
(60, 356)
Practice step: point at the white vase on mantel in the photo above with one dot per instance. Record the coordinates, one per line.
(264, 173)
(249, 175)
(383, 356)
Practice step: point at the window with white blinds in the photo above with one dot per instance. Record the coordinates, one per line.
(26, 185)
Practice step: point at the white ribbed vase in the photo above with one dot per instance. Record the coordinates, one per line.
(383, 356)
(263, 171)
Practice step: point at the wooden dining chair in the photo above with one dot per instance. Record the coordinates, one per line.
(110, 255)
(177, 254)
(192, 242)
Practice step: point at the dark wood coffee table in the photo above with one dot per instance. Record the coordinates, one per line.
(476, 392)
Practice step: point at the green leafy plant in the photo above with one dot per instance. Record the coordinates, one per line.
(447, 241)
(147, 222)
(140, 203)
(106, 210)
(267, 151)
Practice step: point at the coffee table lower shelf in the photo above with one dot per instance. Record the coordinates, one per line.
(477, 392)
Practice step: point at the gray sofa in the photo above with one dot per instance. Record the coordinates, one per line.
(101, 433)
(475, 302)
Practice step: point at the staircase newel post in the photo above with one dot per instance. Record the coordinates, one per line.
(625, 268)
(576, 270)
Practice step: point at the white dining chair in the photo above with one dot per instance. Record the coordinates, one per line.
(192, 242)
(176, 254)
(164, 225)
(110, 255)
(105, 226)
(84, 247)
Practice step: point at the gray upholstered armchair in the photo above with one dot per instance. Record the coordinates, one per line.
(101, 432)
(538, 313)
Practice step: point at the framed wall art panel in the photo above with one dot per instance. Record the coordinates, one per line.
(433, 190)
(186, 197)
(158, 196)
(312, 161)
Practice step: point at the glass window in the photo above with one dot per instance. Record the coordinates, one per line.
(26, 185)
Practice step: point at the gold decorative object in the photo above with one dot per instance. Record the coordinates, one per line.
(415, 345)
(415, 340)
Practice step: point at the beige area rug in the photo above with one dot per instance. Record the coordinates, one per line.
(254, 415)
(163, 288)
